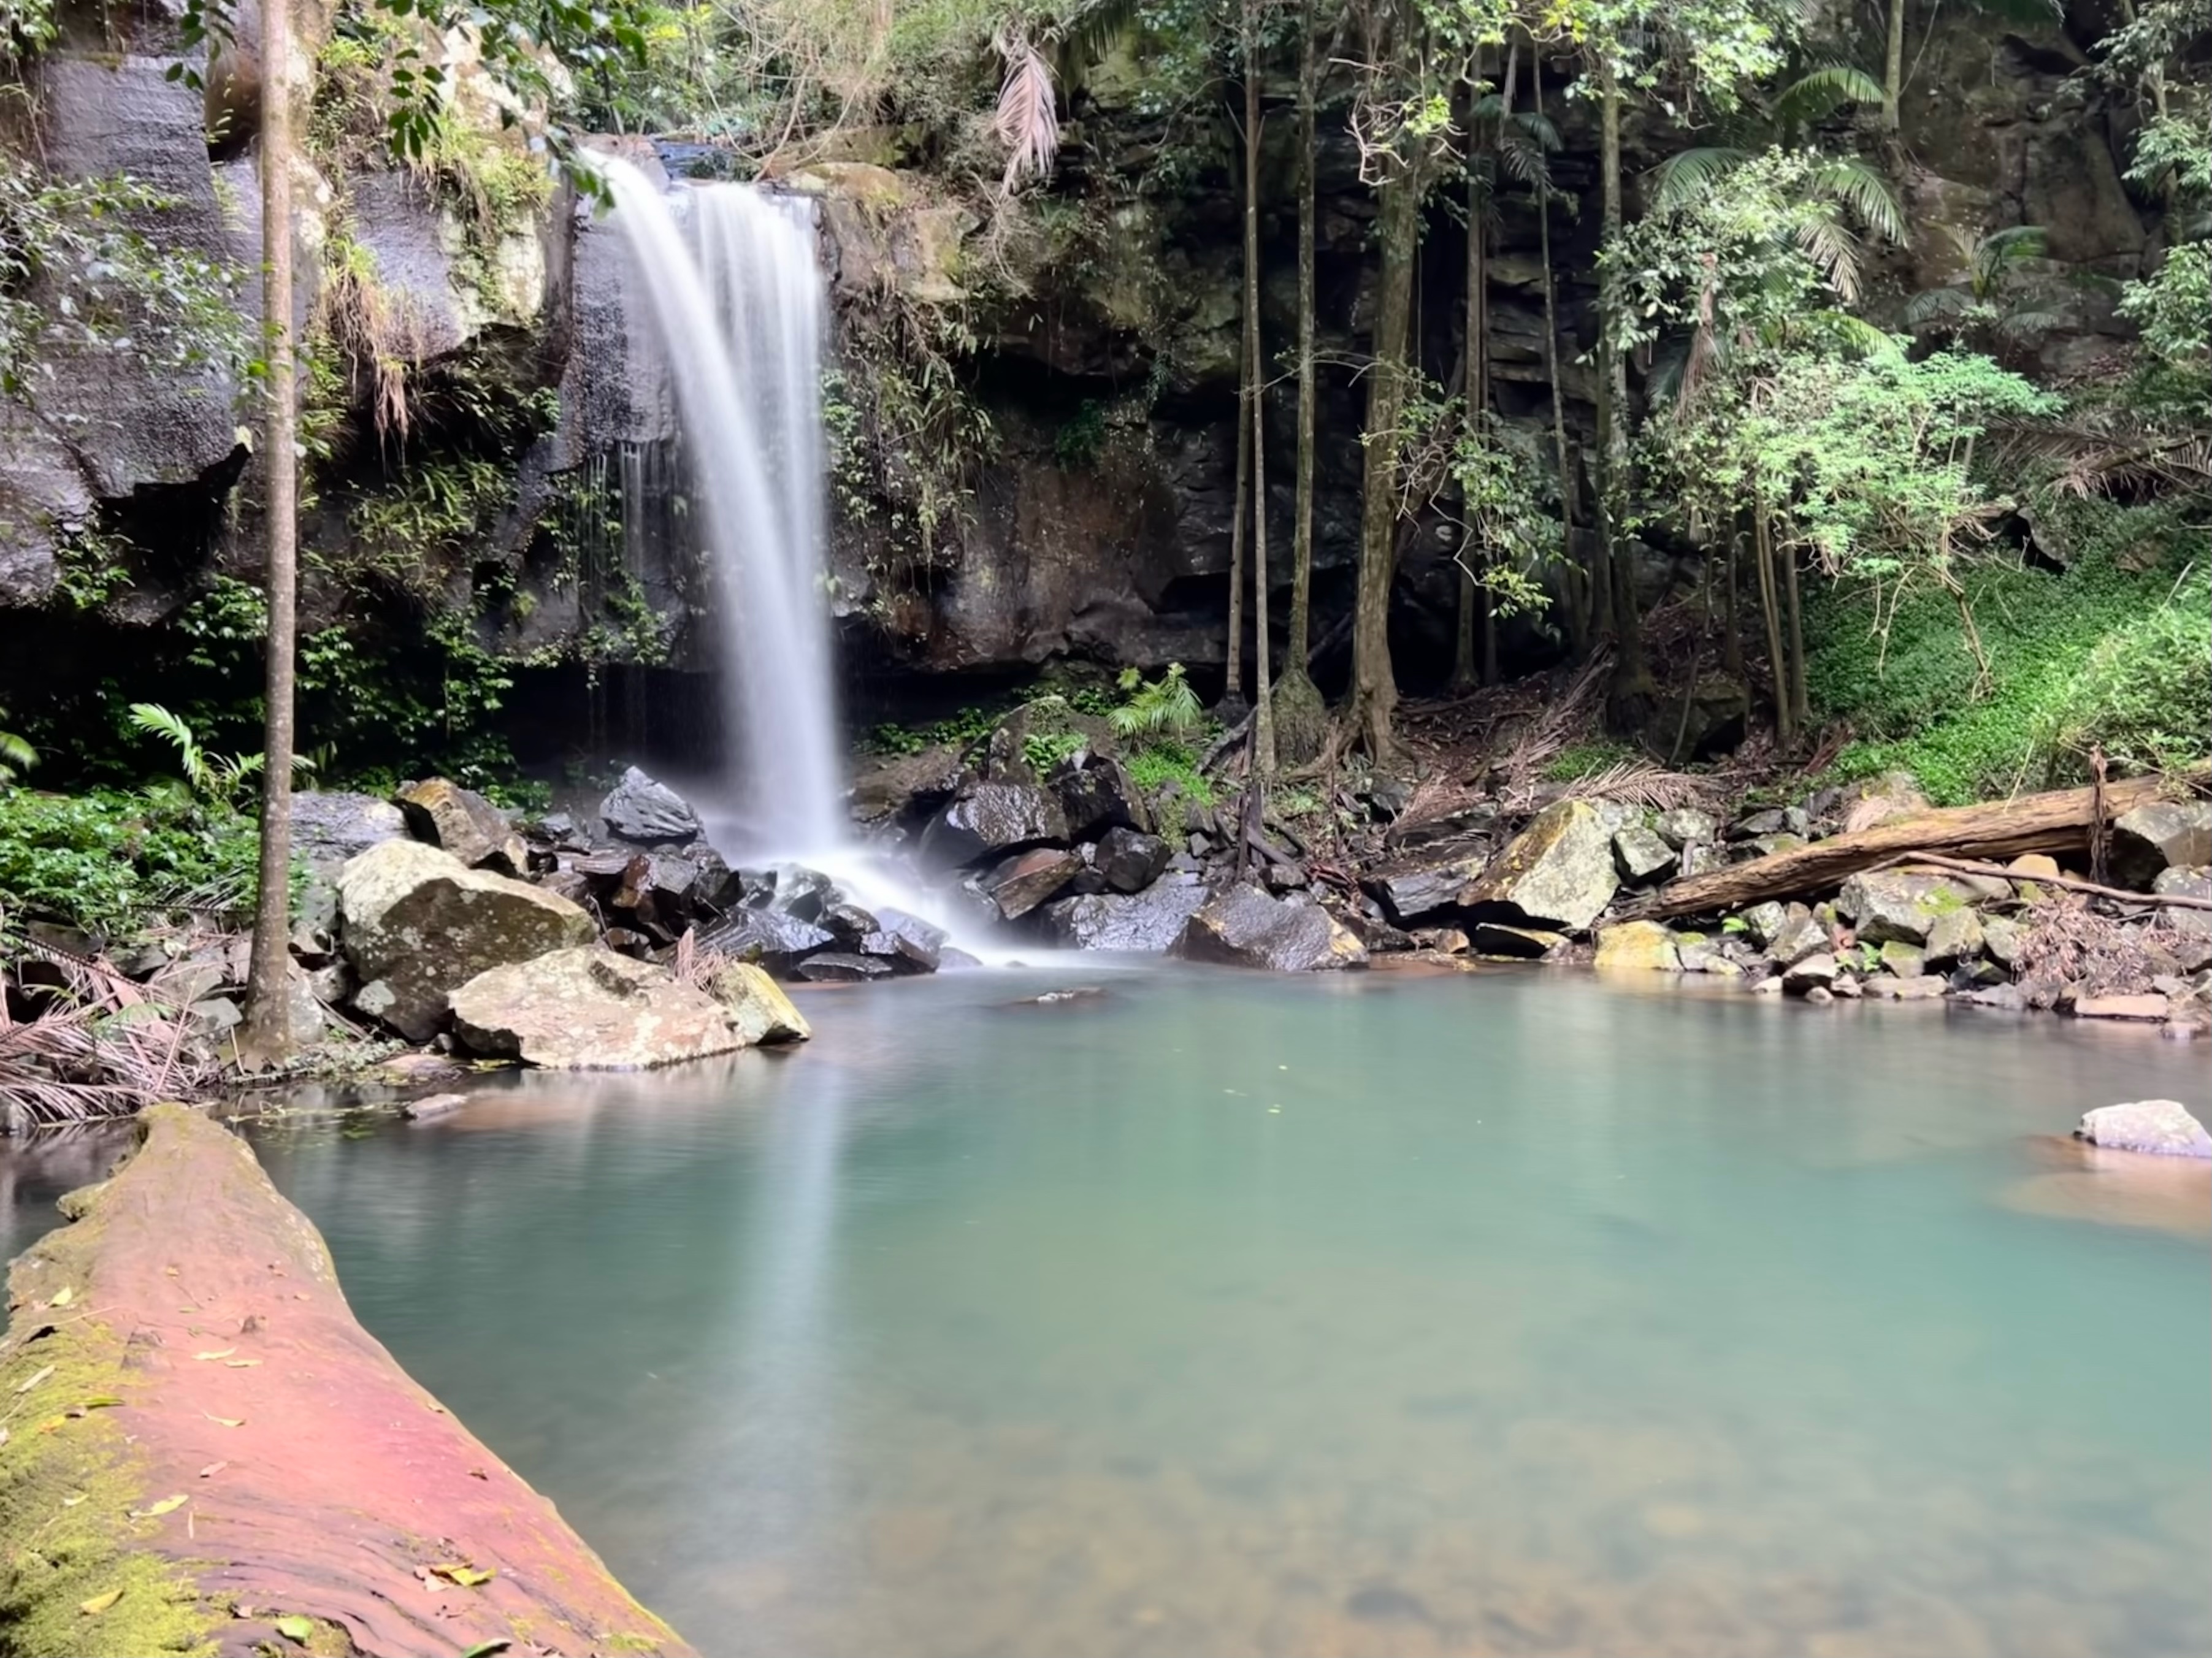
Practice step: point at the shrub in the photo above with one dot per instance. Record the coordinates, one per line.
(107, 860)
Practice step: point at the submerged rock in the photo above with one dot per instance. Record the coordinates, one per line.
(1245, 927)
(590, 1010)
(756, 1006)
(839, 967)
(649, 814)
(1146, 923)
(2163, 1128)
(463, 823)
(1556, 874)
(415, 923)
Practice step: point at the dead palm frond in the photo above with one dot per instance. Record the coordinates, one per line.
(1028, 118)
(1652, 786)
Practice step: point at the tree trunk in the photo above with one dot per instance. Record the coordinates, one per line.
(1769, 605)
(1263, 712)
(2058, 822)
(1631, 683)
(1374, 688)
(1732, 646)
(1301, 525)
(1892, 68)
(1590, 608)
(1474, 381)
(269, 1035)
(1801, 706)
(1232, 689)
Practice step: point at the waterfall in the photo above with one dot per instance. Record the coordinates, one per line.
(729, 282)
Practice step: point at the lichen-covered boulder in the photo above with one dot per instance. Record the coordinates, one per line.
(1954, 939)
(465, 823)
(1890, 905)
(591, 1009)
(1142, 923)
(1556, 874)
(986, 818)
(648, 814)
(416, 923)
(756, 1006)
(2164, 1128)
(1638, 947)
(1245, 927)
(1643, 855)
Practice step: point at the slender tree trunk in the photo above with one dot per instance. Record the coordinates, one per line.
(1732, 644)
(1474, 386)
(1488, 611)
(1893, 67)
(1374, 686)
(1801, 708)
(1589, 609)
(1232, 690)
(1785, 724)
(1302, 525)
(269, 1035)
(1263, 711)
(1630, 681)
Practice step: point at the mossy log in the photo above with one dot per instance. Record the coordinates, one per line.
(205, 1453)
(2057, 822)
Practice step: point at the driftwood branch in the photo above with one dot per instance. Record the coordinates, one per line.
(1969, 866)
(2057, 822)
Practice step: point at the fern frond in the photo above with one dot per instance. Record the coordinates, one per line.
(1682, 176)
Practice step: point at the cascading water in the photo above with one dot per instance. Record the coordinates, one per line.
(733, 293)
(738, 303)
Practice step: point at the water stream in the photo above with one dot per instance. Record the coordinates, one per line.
(1232, 1315)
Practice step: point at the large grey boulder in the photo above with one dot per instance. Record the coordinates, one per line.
(329, 826)
(756, 1006)
(1028, 878)
(1098, 794)
(417, 923)
(1243, 926)
(1643, 855)
(1128, 861)
(909, 944)
(2186, 884)
(1892, 905)
(2161, 836)
(777, 940)
(1144, 923)
(648, 814)
(986, 818)
(1685, 825)
(1412, 889)
(588, 1009)
(1558, 873)
(465, 823)
(2162, 1127)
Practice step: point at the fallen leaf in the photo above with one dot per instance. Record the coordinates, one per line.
(52, 1422)
(485, 1649)
(72, 1501)
(478, 1474)
(213, 1469)
(166, 1505)
(220, 1352)
(25, 1386)
(3, 1436)
(239, 1363)
(467, 1576)
(102, 1401)
(62, 1297)
(227, 1421)
(296, 1629)
(99, 1603)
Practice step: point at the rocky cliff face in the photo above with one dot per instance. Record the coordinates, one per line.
(1078, 501)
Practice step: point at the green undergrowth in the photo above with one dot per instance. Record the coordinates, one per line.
(108, 860)
(1157, 765)
(2115, 651)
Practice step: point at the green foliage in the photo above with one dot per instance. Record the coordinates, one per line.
(1076, 444)
(2113, 650)
(26, 27)
(219, 776)
(16, 755)
(1586, 759)
(84, 274)
(89, 567)
(1157, 765)
(1043, 750)
(108, 860)
(1506, 502)
(1166, 707)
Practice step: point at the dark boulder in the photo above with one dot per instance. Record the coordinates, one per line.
(1098, 794)
(1129, 860)
(329, 827)
(465, 823)
(778, 942)
(1243, 926)
(648, 814)
(1147, 922)
(909, 944)
(1413, 888)
(1028, 878)
(839, 967)
(848, 923)
(993, 818)
(2161, 835)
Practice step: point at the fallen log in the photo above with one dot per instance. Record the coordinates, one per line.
(2057, 822)
(204, 1452)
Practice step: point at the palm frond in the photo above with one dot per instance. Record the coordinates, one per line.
(1027, 119)
(1936, 307)
(1679, 179)
(1859, 187)
(1084, 39)
(1538, 128)
(2001, 248)
(1854, 334)
(1524, 158)
(1830, 246)
(157, 721)
(1819, 92)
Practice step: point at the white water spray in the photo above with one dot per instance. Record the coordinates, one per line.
(737, 304)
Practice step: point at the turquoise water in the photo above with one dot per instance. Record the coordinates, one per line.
(1224, 1314)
